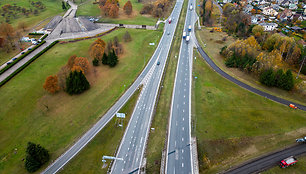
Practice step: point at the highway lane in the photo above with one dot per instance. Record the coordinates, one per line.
(262, 163)
(133, 143)
(179, 158)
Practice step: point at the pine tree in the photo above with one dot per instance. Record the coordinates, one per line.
(63, 5)
(105, 59)
(76, 83)
(36, 157)
(95, 62)
(288, 84)
(113, 59)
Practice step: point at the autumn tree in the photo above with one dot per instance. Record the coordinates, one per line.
(83, 63)
(71, 60)
(51, 84)
(96, 51)
(208, 12)
(77, 68)
(62, 76)
(127, 37)
(128, 8)
(114, 11)
(22, 25)
(7, 32)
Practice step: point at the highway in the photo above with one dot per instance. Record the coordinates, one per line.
(150, 78)
(179, 158)
(262, 163)
(133, 143)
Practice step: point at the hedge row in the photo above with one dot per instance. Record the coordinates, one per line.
(44, 37)
(36, 33)
(28, 63)
(21, 57)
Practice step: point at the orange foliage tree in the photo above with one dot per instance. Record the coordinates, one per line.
(70, 62)
(114, 11)
(128, 8)
(83, 63)
(51, 84)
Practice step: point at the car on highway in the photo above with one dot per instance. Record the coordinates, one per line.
(184, 34)
(14, 58)
(187, 39)
(22, 52)
(288, 162)
(29, 48)
(170, 20)
(168, 33)
(158, 63)
(301, 140)
(7, 63)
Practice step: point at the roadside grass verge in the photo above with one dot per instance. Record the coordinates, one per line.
(90, 9)
(298, 168)
(156, 141)
(106, 142)
(214, 44)
(29, 113)
(234, 125)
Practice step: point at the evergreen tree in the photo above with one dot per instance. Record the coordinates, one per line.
(288, 84)
(267, 77)
(95, 62)
(36, 157)
(63, 5)
(113, 59)
(279, 78)
(105, 59)
(76, 83)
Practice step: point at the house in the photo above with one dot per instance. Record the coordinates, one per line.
(293, 7)
(269, 11)
(255, 19)
(275, 7)
(285, 3)
(269, 26)
(247, 9)
(227, 1)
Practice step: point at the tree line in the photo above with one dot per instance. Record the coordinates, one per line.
(110, 8)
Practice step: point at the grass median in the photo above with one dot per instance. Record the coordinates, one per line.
(89, 160)
(156, 142)
(29, 113)
(234, 125)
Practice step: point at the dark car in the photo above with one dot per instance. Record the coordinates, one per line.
(8, 63)
(22, 52)
(14, 58)
(158, 63)
(29, 48)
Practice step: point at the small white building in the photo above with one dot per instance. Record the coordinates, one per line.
(227, 1)
(269, 11)
(269, 26)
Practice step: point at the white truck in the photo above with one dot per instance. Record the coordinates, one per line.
(184, 34)
(189, 28)
(187, 39)
(190, 7)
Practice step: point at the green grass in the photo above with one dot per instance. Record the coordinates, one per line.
(90, 9)
(156, 141)
(105, 143)
(24, 114)
(233, 124)
(214, 44)
(53, 7)
(298, 168)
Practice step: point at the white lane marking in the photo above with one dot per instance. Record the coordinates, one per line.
(184, 96)
(184, 103)
(183, 118)
(177, 106)
(174, 143)
(123, 162)
(122, 169)
(183, 128)
(183, 110)
(176, 123)
(182, 139)
(182, 164)
(182, 150)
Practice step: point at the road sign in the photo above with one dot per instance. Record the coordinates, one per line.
(120, 115)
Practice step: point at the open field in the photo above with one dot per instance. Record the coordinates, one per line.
(299, 168)
(105, 143)
(214, 44)
(29, 113)
(89, 9)
(233, 124)
(156, 140)
(53, 7)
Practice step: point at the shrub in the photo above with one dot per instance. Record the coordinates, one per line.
(95, 62)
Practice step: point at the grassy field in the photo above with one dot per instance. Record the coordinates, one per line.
(89, 9)
(105, 143)
(29, 113)
(156, 141)
(233, 124)
(214, 44)
(53, 7)
(299, 168)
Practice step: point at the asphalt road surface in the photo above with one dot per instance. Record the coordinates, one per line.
(262, 163)
(254, 90)
(133, 143)
(179, 158)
